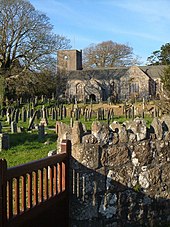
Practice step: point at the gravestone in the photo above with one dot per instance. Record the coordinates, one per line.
(13, 127)
(76, 114)
(4, 141)
(53, 116)
(44, 120)
(13, 115)
(8, 118)
(32, 112)
(38, 114)
(32, 121)
(41, 132)
(16, 117)
(0, 127)
(24, 115)
(3, 112)
(36, 100)
(64, 112)
(53, 96)
(28, 113)
(56, 115)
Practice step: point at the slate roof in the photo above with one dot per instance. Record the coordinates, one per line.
(98, 73)
(152, 71)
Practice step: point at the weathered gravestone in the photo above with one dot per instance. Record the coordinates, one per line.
(41, 132)
(24, 115)
(4, 141)
(13, 127)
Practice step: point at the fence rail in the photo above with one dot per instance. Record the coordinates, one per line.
(28, 187)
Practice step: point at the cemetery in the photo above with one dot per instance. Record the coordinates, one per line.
(84, 134)
(97, 155)
(34, 120)
(116, 150)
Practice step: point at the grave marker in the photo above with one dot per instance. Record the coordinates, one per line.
(4, 141)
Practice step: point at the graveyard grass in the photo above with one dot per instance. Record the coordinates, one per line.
(25, 146)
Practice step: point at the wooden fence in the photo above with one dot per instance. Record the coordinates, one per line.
(27, 190)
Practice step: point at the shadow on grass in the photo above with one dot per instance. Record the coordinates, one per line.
(21, 138)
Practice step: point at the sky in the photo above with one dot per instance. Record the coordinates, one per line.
(144, 25)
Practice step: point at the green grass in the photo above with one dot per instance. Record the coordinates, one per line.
(25, 147)
(119, 119)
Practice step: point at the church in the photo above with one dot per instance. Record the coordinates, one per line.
(103, 84)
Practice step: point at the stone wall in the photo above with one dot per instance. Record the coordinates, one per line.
(120, 173)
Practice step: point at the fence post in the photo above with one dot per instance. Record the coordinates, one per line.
(3, 193)
(66, 147)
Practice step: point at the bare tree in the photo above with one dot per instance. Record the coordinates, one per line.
(27, 43)
(26, 38)
(107, 54)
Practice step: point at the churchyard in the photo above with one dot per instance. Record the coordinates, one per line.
(28, 127)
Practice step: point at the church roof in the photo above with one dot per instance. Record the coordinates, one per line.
(154, 71)
(108, 73)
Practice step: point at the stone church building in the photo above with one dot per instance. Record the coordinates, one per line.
(119, 83)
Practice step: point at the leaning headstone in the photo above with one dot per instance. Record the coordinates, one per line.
(4, 141)
(32, 121)
(13, 127)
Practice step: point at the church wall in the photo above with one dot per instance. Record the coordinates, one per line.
(124, 84)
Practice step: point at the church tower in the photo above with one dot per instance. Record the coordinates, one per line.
(69, 60)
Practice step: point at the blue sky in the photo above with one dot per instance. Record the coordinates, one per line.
(142, 24)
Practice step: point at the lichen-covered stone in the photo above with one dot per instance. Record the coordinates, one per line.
(120, 175)
(157, 128)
